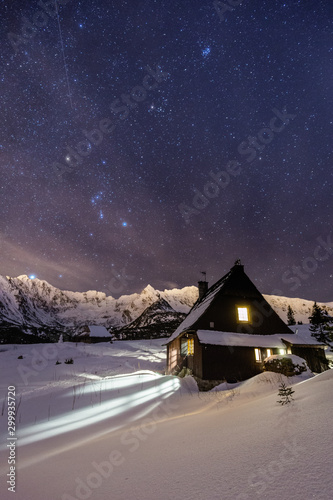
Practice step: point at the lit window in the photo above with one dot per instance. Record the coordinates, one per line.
(243, 314)
(269, 352)
(190, 347)
(282, 351)
(257, 354)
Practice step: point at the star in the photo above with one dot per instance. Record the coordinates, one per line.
(166, 116)
(205, 52)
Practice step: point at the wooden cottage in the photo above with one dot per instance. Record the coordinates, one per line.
(231, 329)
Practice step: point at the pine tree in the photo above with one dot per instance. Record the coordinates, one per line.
(290, 316)
(329, 333)
(285, 394)
(319, 324)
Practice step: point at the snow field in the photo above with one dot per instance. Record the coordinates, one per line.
(106, 428)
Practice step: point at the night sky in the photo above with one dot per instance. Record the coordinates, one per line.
(212, 141)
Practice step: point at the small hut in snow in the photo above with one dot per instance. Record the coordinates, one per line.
(92, 334)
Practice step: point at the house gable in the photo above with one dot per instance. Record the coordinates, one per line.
(234, 304)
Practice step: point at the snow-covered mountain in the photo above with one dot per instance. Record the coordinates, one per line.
(159, 319)
(302, 307)
(34, 306)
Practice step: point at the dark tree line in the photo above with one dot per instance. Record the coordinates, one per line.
(321, 325)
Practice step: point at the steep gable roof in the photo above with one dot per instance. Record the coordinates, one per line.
(98, 331)
(199, 307)
(234, 284)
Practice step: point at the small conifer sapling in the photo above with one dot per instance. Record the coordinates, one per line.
(285, 394)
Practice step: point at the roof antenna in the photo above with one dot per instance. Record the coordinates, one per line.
(63, 54)
(238, 262)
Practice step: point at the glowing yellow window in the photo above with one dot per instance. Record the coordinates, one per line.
(282, 351)
(190, 347)
(243, 314)
(257, 354)
(269, 352)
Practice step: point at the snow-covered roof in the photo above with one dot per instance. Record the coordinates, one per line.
(199, 308)
(247, 340)
(239, 339)
(300, 340)
(98, 331)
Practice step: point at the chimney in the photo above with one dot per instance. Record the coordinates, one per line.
(203, 287)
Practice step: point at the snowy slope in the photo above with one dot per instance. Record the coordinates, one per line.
(99, 429)
(301, 307)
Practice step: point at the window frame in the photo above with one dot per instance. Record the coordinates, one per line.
(258, 358)
(243, 321)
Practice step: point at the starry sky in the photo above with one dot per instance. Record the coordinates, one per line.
(147, 141)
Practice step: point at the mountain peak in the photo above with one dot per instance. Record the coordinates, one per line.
(161, 305)
(150, 291)
(30, 280)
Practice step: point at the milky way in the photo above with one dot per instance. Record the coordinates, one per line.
(148, 141)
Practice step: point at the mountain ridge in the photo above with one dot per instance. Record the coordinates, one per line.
(159, 319)
(33, 305)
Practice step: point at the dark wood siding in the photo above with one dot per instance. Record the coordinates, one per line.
(212, 362)
(223, 313)
(229, 363)
(194, 362)
(176, 361)
(315, 357)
